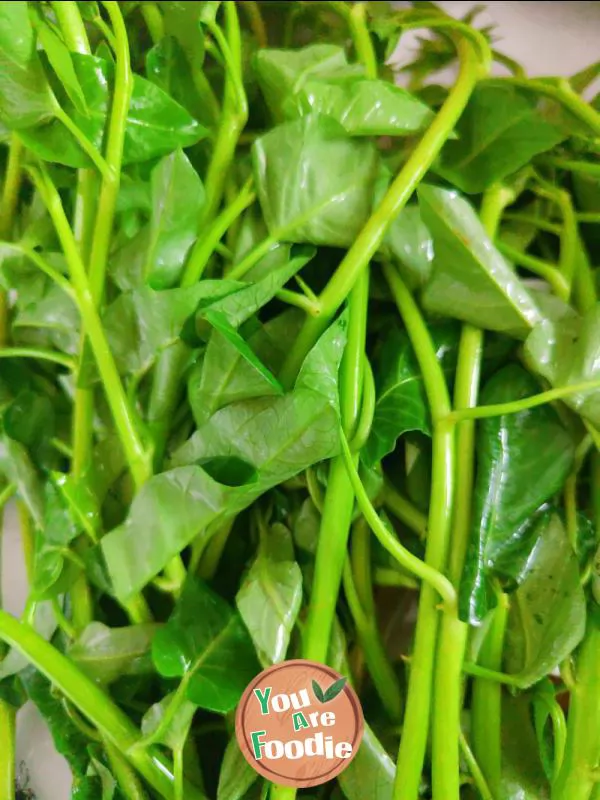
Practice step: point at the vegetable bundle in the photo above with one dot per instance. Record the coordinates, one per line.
(299, 363)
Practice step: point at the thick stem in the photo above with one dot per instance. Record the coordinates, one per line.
(369, 239)
(486, 703)
(448, 681)
(8, 206)
(7, 751)
(418, 706)
(93, 703)
(72, 26)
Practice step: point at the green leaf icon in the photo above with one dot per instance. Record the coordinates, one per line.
(318, 692)
(334, 690)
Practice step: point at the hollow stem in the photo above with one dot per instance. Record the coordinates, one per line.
(418, 705)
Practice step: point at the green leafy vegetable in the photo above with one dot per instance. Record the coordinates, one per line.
(206, 643)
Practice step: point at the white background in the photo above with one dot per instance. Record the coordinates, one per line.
(549, 38)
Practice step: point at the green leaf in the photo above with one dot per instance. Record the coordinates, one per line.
(548, 610)
(566, 352)
(231, 370)
(303, 202)
(17, 468)
(30, 419)
(362, 106)
(206, 641)
(25, 97)
(281, 73)
(176, 733)
(177, 199)
(401, 404)
(167, 67)
(336, 687)
(410, 244)
(105, 654)
(68, 739)
(156, 124)
(522, 771)
(523, 460)
(141, 323)
(371, 772)
(236, 775)
(182, 22)
(241, 303)
(544, 699)
(318, 692)
(277, 436)
(60, 60)
(470, 280)
(499, 132)
(270, 595)
(52, 312)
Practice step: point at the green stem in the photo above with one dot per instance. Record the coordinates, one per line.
(486, 703)
(117, 399)
(418, 706)
(369, 239)
(7, 751)
(88, 148)
(539, 267)
(339, 497)
(404, 510)
(93, 703)
(367, 409)
(516, 406)
(475, 770)
(448, 682)
(234, 115)
(8, 206)
(206, 244)
(42, 265)
(101, 238)
(154, 21)
(423, 570)
(127, 780)
(572, 165)
(71, 25)
(39, 353)
(381, 671)
(477, 671)
(576, 779)
(562, 94)
(257, 23)
(74, 33)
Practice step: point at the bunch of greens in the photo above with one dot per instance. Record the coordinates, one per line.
(299, 363)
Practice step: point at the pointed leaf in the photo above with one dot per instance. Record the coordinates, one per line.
(60, 60)
(470, 280)
(499, 132)
(270, 596)
(371, 772)
(105, 654)
(236, 775)
(318, 692)
(567, 352)
(362, 106)
(156, 124)
(205, 641)
(278, 437)
(176, 734)
(524, 460)
(548, 610)
(177, 199)
(303, 202)
(401, 404)
(335, 689)
(25, 97)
